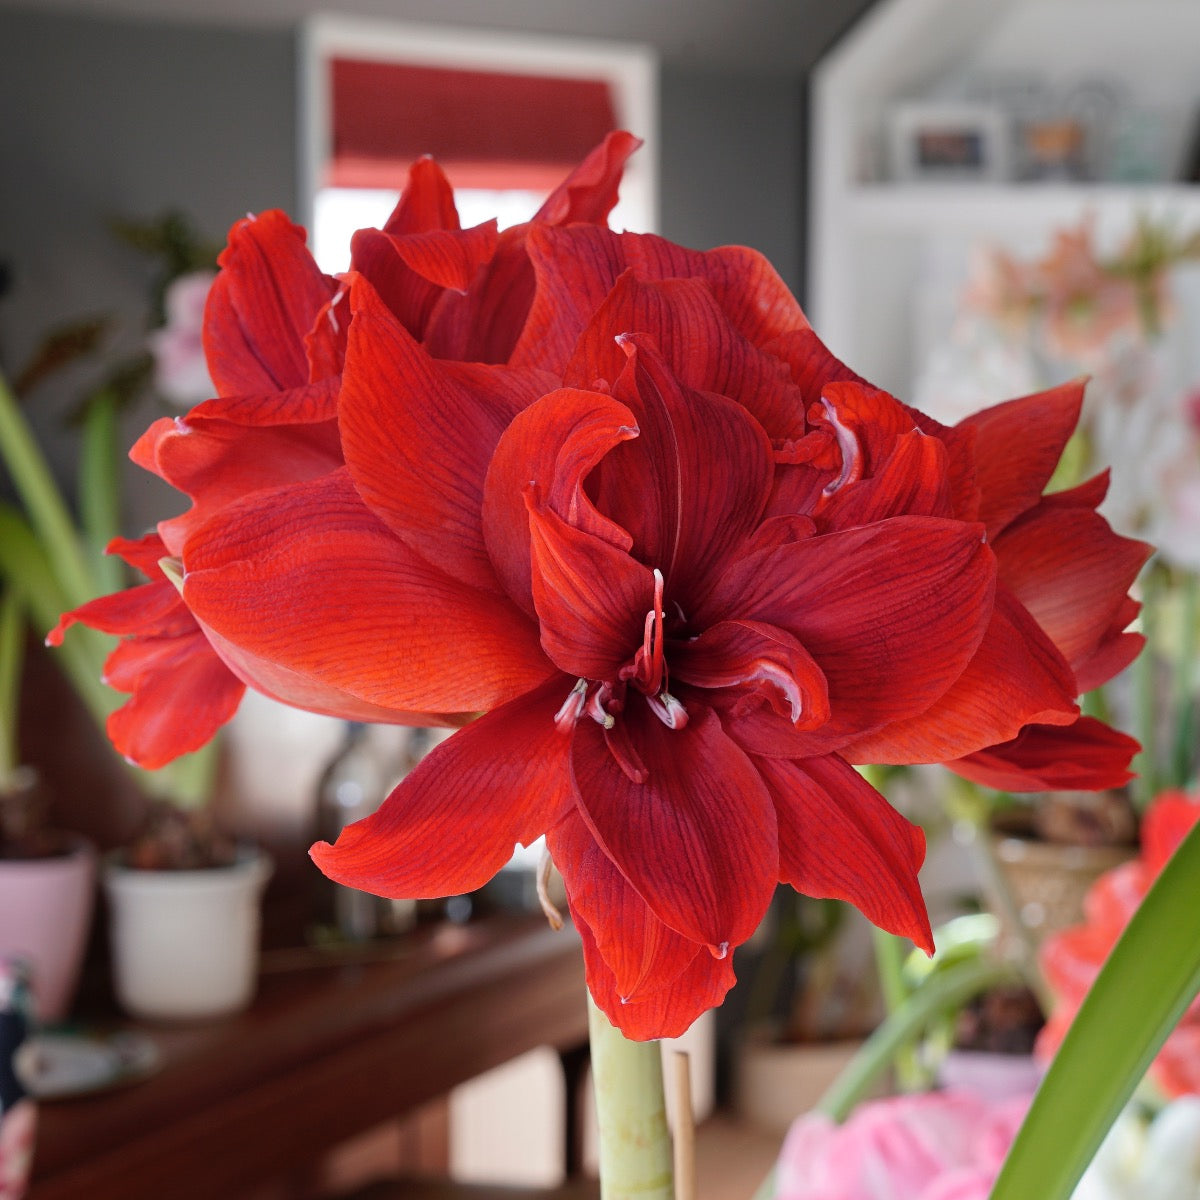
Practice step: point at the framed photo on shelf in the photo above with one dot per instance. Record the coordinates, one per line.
(931, 141)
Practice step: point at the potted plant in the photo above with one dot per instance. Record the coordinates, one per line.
(52, 561)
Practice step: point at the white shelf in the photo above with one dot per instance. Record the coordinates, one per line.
(918, 208)
(884, 256)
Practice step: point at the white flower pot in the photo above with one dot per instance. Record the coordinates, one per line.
(185, 943)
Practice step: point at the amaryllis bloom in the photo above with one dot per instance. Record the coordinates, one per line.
(274, 336)
(1072, 959)
(616, 497)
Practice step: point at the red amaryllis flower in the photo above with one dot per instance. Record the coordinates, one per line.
(274, 338)
(1072, 959)
(688, 567)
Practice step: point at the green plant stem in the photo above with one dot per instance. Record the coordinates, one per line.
(12, 651)
(635, 1146)
(100, 488)
(889, 964)
(1144, 987)
(1146, 784)
(25, 569)
(1183, 748)
(941, 994)
(48, 513)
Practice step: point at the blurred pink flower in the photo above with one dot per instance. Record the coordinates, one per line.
(1085, 304)
(934, 1146)
(180, 372)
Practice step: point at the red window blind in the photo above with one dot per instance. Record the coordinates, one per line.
(486, 128)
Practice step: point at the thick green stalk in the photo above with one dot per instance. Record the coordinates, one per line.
(47, 511)
(635, 1146)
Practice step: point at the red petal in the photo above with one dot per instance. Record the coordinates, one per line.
(591, 597)
(1044, 758)
(182, 694)
(696, 839)
(589, 193)
(1017, 446)
(668, 1012)
(395, 403)
(1017, 677)
(427, 201)
(306, 579)
(891, 612)
(1072, 572)
(641, 953)
(911, 482)
(812, 366)
(577, 266)
(749, 655)
(484, 324)
(703, 350)
(262, 305)
(554, 444)
(151, 609)
(311, 404)
(410, 272)
(218, 462)
(694, 485)
(454, 821)
(839, 838)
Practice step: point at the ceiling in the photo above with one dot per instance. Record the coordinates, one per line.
(772, 36)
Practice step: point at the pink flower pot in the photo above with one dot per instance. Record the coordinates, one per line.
(46, 907)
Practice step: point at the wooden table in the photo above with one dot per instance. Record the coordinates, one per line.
(330, 1048)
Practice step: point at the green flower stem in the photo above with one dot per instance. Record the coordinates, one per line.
(48, 513)
(1145, 785)
(889, 964)
(12, 646)
(941, 994)
(1183, 748)
(635, 1146)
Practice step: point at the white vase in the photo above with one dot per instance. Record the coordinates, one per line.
(185, 943)
(45, 913)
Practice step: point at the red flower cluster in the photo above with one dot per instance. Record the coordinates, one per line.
(1072, 959)
(617, 497)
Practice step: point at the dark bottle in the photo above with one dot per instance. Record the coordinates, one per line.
(353, 786)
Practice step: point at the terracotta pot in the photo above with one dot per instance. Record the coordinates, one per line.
(185, 943)
(46, 907)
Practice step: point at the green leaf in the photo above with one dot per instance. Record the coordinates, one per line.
(1149, 979)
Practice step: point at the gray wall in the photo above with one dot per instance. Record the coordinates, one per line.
(102, 116)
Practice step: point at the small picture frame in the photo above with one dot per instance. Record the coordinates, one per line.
(939, 142)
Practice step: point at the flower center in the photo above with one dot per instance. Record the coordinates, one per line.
(647, 671)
